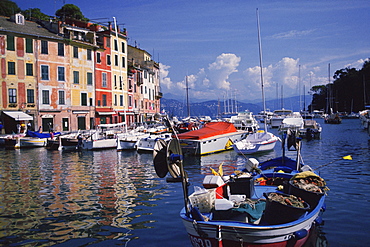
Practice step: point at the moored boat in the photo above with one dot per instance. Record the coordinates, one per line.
(260, 141)
(32, 139)
(275, 203)
(211, 138)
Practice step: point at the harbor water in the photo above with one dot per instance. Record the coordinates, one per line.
(109, 198)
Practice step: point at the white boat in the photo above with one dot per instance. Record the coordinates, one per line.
(260, 141)
(127, 141)
(245, 121)
(293, 122)
(279, 116)
(31, 140)
(104, 137)
(213, 137)
(311, 130)
(146, 144)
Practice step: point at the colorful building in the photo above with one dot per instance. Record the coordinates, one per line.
(73, 75)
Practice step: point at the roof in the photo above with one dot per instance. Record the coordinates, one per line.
(209, 130)
(29, 28)
(18, 115)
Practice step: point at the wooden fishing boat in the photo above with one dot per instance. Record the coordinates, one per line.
(261, 205)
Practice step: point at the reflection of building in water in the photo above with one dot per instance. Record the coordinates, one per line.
(58, 196)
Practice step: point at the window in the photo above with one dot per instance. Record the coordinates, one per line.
(44, 72)
(10, 43)
(30, 96)
(130, 100)
(115, 99)
(45, 97)
(11, 68)
(104, 80)
(108, 60)
(108, 42)
(123, 47)
(84, 99)
(12, 95)
(60, 49)
(29, 45)
(120, 83)
(98, 58)
(89, 54)
(29, 69)
(76, 77)
(89, 78)
(104, 100)
(116, 60)
(116, 45)
(75, 51)
(91, 101)
(44, 47)
(145, 74)
(115, 81)
(123, 62)
(61, 74)
(121, 100)
(61, 98)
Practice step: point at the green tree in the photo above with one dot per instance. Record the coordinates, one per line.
(8, 8)
(71, 11)
(35, 13)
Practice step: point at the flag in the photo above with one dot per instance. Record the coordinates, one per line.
(220, 171)
(214, 172)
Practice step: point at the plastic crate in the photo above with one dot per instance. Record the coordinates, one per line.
(203, 201)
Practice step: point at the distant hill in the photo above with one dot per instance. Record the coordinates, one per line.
(214, 108)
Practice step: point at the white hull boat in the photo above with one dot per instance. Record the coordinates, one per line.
(146, 144)
(257, 142)
(212, 138)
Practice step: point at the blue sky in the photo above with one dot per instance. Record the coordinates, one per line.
(215, 44)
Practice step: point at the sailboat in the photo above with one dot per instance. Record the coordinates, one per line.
(262, 140)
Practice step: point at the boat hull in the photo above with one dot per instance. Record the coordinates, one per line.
(257, 148)
(232, 233)
(146, 144)
(214, 144)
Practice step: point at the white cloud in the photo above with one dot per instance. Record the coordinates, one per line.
(291, 34)
(283, 73)
(209, 82)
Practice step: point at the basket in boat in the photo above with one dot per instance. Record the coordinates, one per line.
(283, 208)
(204, 201)
(309, 189)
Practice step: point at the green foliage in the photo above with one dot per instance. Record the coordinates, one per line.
(35, 13)
(70, 10)
(350, 90)
(8, 8)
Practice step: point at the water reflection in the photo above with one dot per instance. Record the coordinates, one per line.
(52, 196)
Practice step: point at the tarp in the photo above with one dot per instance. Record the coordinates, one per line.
(18, 115)
(40, 135)
(209, 130)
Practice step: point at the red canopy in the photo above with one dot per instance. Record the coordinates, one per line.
(208, 130)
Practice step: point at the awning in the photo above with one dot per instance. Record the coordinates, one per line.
(106, 113)
(127, 113)
(80, 112)
(18, 115)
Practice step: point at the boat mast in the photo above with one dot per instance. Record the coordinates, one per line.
(187, 97)
(261, 70)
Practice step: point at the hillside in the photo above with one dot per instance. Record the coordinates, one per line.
(214, 108)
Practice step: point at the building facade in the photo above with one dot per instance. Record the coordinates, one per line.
(73, 76)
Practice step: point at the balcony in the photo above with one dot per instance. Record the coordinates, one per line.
(159, 95)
